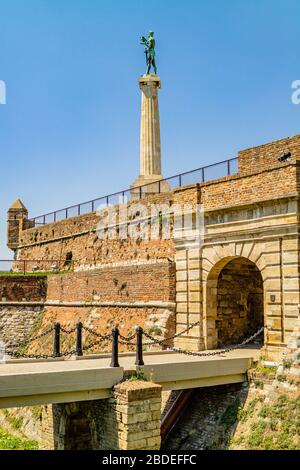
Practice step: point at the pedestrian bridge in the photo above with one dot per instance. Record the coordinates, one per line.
(40, 382)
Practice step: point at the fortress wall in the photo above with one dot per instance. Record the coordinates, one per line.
(127, 271)
(265, 157)
(16, 323)
(124, 296)
(88, 250)
(261, 177)
(157, 321)
(78, 235)
(238, 190)
(128, 283)
(23, 288)
(16, 317)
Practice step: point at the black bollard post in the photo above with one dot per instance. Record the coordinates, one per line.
(115, 348)
(79, 339)
(139, 347)
(56, 349)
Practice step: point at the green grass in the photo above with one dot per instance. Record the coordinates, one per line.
(15, 274)
(277, 426)
(265, 370)
(33, 274)
(17, 422)
(248, 411)
(231, 413)
(10, 442)
(138, 375)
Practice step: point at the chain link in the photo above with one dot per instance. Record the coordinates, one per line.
(98, 335)
(160, 341)
(219, 352)
(95, 343)
(126, 341)
(66, 331)
(34, 338)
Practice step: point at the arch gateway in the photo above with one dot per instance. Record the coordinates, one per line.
(244, 272)
(235, 287)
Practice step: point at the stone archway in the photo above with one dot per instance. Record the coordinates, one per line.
(78, 434)
(234, 301)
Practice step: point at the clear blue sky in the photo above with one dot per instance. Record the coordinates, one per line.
(70, 128)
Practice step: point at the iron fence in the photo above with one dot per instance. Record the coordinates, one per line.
(199, 175)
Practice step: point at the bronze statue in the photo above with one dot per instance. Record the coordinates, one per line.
(149, 51)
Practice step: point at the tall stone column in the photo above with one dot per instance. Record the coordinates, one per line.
(150, 151)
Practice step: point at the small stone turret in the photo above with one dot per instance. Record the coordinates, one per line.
(17, 217)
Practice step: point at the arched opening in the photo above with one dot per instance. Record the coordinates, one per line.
(235, 301)
(78, 434)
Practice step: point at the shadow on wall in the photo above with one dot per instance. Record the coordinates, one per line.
(89, 425)
(210, 419)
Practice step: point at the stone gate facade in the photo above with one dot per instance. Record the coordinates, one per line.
(240, 274)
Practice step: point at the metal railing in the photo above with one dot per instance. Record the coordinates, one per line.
(199, 175)
(30, 266)
(114, 338)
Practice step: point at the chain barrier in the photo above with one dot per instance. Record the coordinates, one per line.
(20, 355)
(124, 341)
(164, 340)
(66, 331)
(34, 338)
(95, 343)
(127, 339)
(40, 356)
(97, 335)
(219, 352)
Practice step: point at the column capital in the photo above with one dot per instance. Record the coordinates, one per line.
(149, 81)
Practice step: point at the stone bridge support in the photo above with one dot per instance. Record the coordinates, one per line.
(129, 420)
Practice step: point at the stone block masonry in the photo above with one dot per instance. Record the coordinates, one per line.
(21, 305)
(138, 407)
(16, 323)
(129, 420)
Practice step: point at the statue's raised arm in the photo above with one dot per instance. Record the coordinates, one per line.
(149, 51)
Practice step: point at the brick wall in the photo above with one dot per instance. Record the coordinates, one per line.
(239, 190)
(132, 283)
(78, 235)
(265, 157)
(23, 288)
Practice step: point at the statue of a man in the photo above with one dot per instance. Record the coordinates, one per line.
(149, 51)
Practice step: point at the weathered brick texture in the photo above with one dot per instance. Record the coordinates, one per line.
(265, 157)
(23, 288)
(132, 283)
